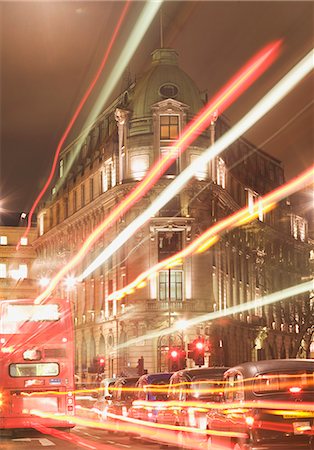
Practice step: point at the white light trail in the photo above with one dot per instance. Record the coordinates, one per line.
(277, 93)
(257, 303)
(142, 24)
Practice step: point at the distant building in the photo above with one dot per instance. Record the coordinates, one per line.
(17, 267)
(259, 258)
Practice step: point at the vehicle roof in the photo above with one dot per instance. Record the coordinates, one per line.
(250, 369)
(127, 380)
(197, 372)
(108, 380)
(151, 378)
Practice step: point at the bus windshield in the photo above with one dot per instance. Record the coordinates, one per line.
(34, 370)
(14, 316)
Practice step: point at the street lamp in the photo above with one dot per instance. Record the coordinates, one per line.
(70, 282)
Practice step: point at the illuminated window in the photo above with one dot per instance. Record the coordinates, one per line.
(252, 199)
(3, 270)
(176, 285)
(169, 127)
(61, 168)
(3, 240)
(298, 227)
(23, 271)
(221, 172)
(24, 241)
(41, 224)
(108, 175)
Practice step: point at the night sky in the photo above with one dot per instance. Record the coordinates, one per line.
(50, 52)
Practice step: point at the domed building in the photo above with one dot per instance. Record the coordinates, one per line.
(123, 321)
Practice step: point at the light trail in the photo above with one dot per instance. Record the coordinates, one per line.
(228, 93)
(73, 119)
(257, 303)
(212, 234)
(139, 29)
(72, 438)
(277, 93)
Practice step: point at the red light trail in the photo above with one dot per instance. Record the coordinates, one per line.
(241, 81)
(211, 235)
(73, 119)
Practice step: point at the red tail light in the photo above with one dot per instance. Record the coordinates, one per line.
(70, 403)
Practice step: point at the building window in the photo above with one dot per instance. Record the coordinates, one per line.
(252, 199)
(298, 227)
(24, 241)
(61, 168)
(3, 270)
(108, 175)
(91, 189)
(41, 221)
(82, 195)
(174, 168)
(3, 240)
(221, 173)
(23, 270)
(74, 201)
(176, 285)
(169, 243)
(20, 273)
(169, 127)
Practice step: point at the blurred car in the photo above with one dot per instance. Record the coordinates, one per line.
(151, 392)
(121, 401)
(267, 405)
(189, 390)
(104, 398)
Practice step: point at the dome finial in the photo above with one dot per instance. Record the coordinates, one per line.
(161, 29)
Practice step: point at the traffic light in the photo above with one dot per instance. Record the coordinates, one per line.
(99, 364)
(176, 357)
(140, 366)
(198, 351)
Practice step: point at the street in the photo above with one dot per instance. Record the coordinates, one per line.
(83, 437)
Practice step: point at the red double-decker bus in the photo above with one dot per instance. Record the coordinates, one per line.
(36, 364)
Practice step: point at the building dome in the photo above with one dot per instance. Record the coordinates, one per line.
(164, 80)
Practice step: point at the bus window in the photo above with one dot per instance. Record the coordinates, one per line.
(34, 370)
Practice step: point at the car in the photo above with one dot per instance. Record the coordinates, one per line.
(121, 401)
(267, 405)
(151, 393)
(189, 391)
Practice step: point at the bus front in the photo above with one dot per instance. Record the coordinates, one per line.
(36, 364)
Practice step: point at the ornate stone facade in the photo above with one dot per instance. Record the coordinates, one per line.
(248, 262)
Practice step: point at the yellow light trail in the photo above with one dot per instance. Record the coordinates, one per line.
(277, 93)
(257, 303)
